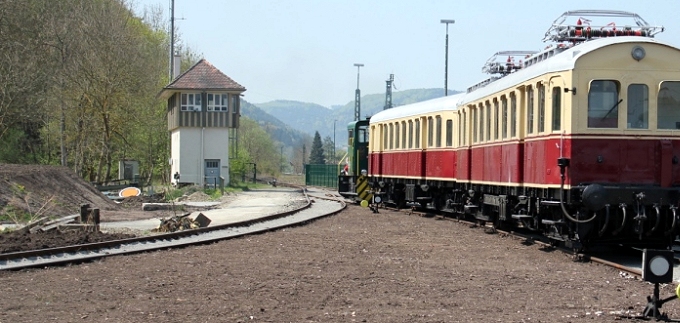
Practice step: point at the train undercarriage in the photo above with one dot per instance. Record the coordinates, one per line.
(581, 217)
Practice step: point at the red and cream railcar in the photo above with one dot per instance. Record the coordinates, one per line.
(580, 141)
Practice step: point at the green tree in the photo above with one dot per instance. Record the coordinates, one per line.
(316, 156)
(328, 149)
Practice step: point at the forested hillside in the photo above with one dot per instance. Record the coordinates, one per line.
(310, 117)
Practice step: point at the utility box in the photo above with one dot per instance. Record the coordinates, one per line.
(128, 170)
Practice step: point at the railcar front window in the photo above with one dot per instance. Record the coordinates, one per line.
(603, 104)
(362, 136)
(669, 105)
(638, 107)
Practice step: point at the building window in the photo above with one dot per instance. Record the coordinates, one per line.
(541, 108)
(638, 106)
(191, 102)
(556, 108)
(218, 102)
(669, 105)
(449, 133)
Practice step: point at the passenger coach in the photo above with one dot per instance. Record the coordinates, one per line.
(580, 141)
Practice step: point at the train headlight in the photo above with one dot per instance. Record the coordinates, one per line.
(657, 266)
(364, 172)
(638, 53)
(377, 199)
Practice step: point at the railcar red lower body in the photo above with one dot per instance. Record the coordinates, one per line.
(618, 190)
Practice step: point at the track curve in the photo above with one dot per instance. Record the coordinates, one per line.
(315, 208)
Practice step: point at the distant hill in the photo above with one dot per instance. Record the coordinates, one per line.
(310, 117)
(277, 129)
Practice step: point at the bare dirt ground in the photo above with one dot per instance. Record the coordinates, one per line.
(355, 266)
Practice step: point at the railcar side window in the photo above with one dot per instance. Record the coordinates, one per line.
(495, 119)
(603, 104)
(504, 120)
(384, 135)
(410, 134)
(530, 110)
(556, 108)
(669, 105)
(513, 115)
(488, 121)
(461, 127)
(638, 107)
(449, 133)
(541, 108)
(396, 135)
(417, 133)
(438, 122)
(391, 137)
(403, 134)
(474, 125)
(481, 122)
(430, 131)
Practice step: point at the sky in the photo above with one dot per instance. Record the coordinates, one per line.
(305, 50)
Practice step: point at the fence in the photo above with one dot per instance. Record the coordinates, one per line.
(322, 175)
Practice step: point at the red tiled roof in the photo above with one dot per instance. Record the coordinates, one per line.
(204, 75)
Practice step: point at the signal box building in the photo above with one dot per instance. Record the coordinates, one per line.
(203, 114)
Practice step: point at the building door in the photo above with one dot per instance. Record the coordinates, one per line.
(212, 173)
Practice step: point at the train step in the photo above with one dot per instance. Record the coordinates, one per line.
(553, 222)
(521, 216)
(550, 202)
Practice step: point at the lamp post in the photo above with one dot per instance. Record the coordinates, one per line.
(446, 56)
(357, 96)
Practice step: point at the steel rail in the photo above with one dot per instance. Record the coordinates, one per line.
(577, 256)
(77, 253)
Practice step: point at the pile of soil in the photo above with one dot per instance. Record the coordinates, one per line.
(18, 241)
(43, 190)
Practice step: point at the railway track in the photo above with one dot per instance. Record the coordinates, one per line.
(316, 207)
(630, 263)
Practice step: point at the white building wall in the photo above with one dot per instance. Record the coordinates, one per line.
(190, 147)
